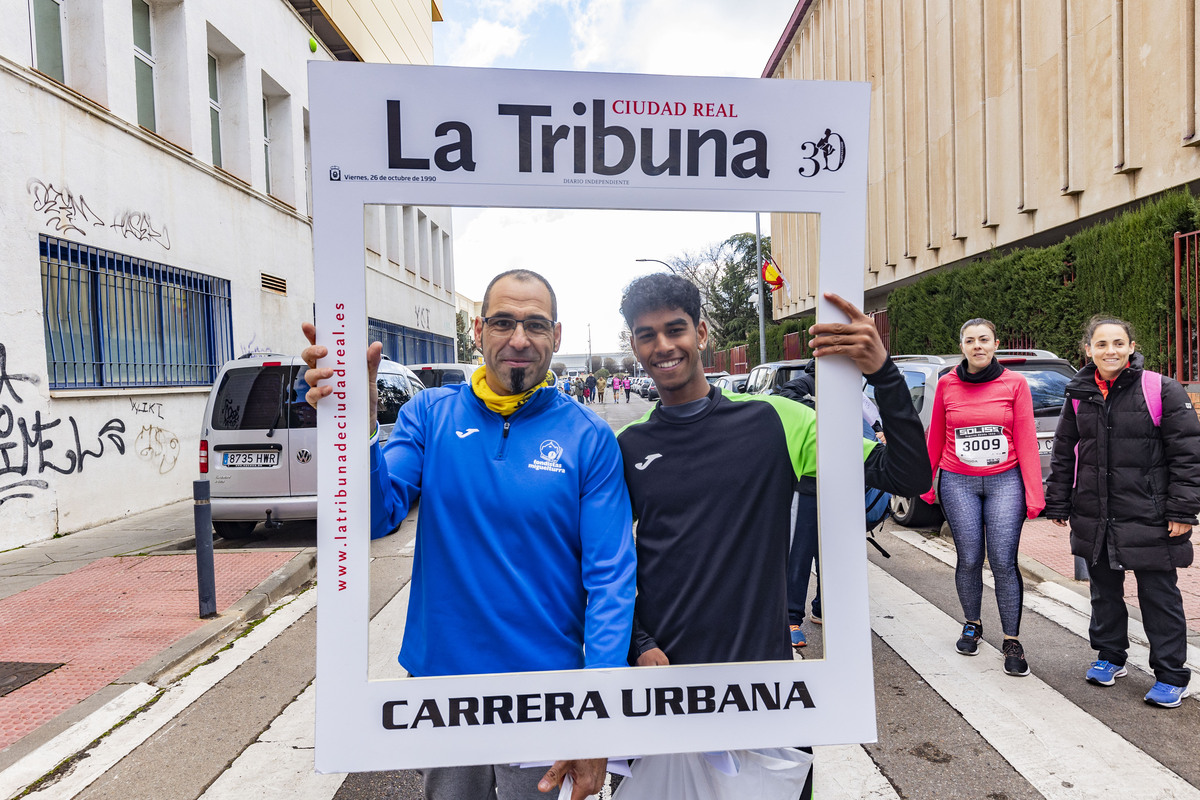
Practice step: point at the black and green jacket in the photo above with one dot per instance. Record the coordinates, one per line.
(712, 495)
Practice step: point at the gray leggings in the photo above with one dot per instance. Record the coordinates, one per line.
(974, 504)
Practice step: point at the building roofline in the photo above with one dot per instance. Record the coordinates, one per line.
(789, 31)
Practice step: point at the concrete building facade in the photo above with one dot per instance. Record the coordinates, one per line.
(155, 215)
(994, 124)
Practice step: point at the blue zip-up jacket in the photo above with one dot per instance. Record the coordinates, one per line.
(524, 552)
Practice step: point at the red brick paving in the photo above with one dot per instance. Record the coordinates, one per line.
(103, 620)
(1049, 544)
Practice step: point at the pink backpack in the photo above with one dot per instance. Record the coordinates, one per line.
(1151, 390)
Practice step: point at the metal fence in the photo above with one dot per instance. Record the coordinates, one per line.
(1185, 332)
(115, 320)
(410, 346)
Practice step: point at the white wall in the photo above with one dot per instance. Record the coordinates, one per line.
(76, 163)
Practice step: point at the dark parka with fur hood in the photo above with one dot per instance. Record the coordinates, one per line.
(1132, 478)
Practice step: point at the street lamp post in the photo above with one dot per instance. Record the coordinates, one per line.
(762, 293)
(665, 264)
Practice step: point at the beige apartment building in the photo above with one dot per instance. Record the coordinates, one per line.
(994, 123)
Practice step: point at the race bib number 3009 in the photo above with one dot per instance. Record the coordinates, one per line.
(981, 445)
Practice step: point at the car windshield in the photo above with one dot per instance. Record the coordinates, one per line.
(1048, 388)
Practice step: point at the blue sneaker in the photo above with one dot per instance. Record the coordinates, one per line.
(798, 639)
(1164, 695)
(1105, 673)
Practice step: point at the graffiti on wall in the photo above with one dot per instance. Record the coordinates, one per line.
(32, 444)
(66, 212)
(146, 407)
(253, 347)
(158, 446)
(138, 225)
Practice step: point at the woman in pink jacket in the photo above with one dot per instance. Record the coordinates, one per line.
(983, 439)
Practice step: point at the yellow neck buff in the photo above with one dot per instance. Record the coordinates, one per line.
(503, 404)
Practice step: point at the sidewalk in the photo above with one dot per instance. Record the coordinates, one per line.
(86, 614)
(1049, 545)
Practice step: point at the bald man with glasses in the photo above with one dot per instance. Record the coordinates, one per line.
(524, 554)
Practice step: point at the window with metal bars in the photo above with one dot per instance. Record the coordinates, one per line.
(408, 345)
(115, 320)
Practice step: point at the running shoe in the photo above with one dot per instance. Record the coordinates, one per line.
(1105, 673)
(1164, 695)
(816, 618)
(968, 643)
(1014, 658)
(798, 639)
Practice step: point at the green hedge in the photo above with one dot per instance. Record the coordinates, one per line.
(1044, 296)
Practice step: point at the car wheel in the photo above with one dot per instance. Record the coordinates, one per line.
(234, 530)
(913, 512)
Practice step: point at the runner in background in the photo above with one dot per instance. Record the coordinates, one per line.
(983, 439)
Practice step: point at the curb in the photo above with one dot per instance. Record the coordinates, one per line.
(285, 580)
(300, 569)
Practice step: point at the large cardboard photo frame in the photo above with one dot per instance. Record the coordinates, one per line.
(442, 136)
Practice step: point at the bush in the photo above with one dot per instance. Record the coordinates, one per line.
(1044, 296)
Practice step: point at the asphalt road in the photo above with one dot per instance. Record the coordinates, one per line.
(948, 727)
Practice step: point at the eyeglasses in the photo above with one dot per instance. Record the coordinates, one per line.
(507, 326)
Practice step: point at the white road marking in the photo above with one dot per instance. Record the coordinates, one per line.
(1065, 753)
(846, 772)
(1060, 605)
(175, 699)
(282, 758)
(283, 754)
(45, 758)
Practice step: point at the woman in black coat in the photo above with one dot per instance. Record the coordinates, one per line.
(1126, 474)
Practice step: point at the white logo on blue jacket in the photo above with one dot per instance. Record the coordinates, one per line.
(550, 453)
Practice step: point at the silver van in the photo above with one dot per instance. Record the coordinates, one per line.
(258, 441)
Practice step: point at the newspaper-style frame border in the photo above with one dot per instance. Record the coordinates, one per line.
(359, 114)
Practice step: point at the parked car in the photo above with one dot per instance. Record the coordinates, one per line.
(258, 439)
(713, 377)
(651, 390)
(434, 375)
(1047, 375)
(732, 383)
(770, 377)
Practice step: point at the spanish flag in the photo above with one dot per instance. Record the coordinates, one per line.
(773, 276)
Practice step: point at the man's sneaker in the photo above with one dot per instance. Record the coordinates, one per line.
(1105, 673)
(1014, 658)
(968, 643)
(1165, 695)
(816, 618)
(798, 639)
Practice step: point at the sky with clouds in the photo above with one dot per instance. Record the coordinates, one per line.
(588, 256)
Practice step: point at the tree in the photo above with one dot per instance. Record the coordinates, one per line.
(728, 276)
(628, 363)
(610, 364)
(466, 343)
(625, 340)
(559, 368)
(734, 311)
